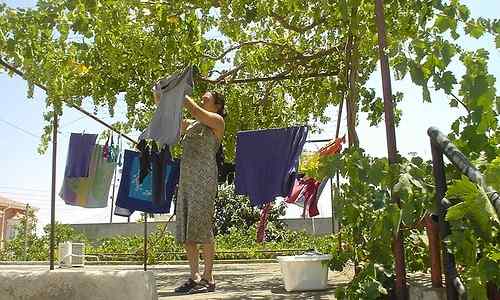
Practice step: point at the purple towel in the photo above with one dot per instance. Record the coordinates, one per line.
(79, 154)
(266, 162)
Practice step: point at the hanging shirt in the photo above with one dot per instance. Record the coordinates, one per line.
(91, 191)
(165, 127)
(79, 154)
(261, 229)
(134, 196)
(332, 148)
(266, 162)
(305, 193)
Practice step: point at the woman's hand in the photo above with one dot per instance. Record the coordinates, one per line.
(211, 119)
(156, 97)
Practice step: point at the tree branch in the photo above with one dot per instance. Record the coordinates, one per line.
(282, 20)
(461, 102)
(244, 44)
(278, 77)
(234, 71)
(320, 53)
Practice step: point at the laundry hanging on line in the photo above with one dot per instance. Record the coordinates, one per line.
(264, 217)
(81, 147)
(89, 191)
(267, 161)
(226, 173)
(165, 127)
(332, 148)
(306, 193)
(133, 195)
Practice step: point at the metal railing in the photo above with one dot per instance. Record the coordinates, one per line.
(224, 255)
(440, 146)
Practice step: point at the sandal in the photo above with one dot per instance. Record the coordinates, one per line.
(186, 286)
(203, 287)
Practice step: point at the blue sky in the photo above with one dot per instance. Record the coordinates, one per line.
(26, 176)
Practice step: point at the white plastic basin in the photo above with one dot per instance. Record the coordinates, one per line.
(304, 272)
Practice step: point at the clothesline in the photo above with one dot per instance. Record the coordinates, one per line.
(20, 73)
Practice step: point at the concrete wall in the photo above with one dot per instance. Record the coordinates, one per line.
(101, 230)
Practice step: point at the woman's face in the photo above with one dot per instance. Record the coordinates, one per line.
(208, 102)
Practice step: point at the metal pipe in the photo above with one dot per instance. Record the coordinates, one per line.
(145, 241)
(53, 191)
(401, 288)
(319, 141)
(442, 206)
(113, 196)
(461, 162)
(2, 235)
(26, 232)
(332, 201)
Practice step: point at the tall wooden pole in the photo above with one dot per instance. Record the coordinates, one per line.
(398, 249)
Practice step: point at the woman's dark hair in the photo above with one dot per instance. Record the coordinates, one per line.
(220, 101)
(220, 157)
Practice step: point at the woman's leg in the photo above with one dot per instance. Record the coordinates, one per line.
(193, 256)
(208, 258)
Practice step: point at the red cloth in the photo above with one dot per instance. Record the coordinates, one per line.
(261, 229)
(332, 148)
(307, 189)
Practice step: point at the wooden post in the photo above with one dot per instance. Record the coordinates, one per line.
(398, 249)
(434, 249)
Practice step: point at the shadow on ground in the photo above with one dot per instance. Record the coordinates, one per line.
(256, 282)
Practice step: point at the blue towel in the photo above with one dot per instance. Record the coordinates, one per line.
(80, 151)
(266, 162)
(134, 196)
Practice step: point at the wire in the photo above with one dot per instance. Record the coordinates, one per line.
(71, 122)
(22, 189)
(20, 129)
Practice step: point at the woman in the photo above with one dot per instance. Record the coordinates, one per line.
(198, 187)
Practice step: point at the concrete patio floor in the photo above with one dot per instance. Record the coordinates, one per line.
(234, 281)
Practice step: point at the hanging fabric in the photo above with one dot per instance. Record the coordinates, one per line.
(306, 193)
(266, 162)
(105, 150)
(91, 191)
(332, 148)
(226, 174)
(79, 154)
(144, 160)
(134, 196)
(264, 216)
(165, 127)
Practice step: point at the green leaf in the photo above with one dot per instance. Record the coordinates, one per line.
(477, 207)
(455, 126)
(446, 82)
(497, 40)
(417, 74)
(394, 216)
(442, 23)
(457, 212)
(426, 94)
(464, 12)
(474, 29)
(492, 174)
